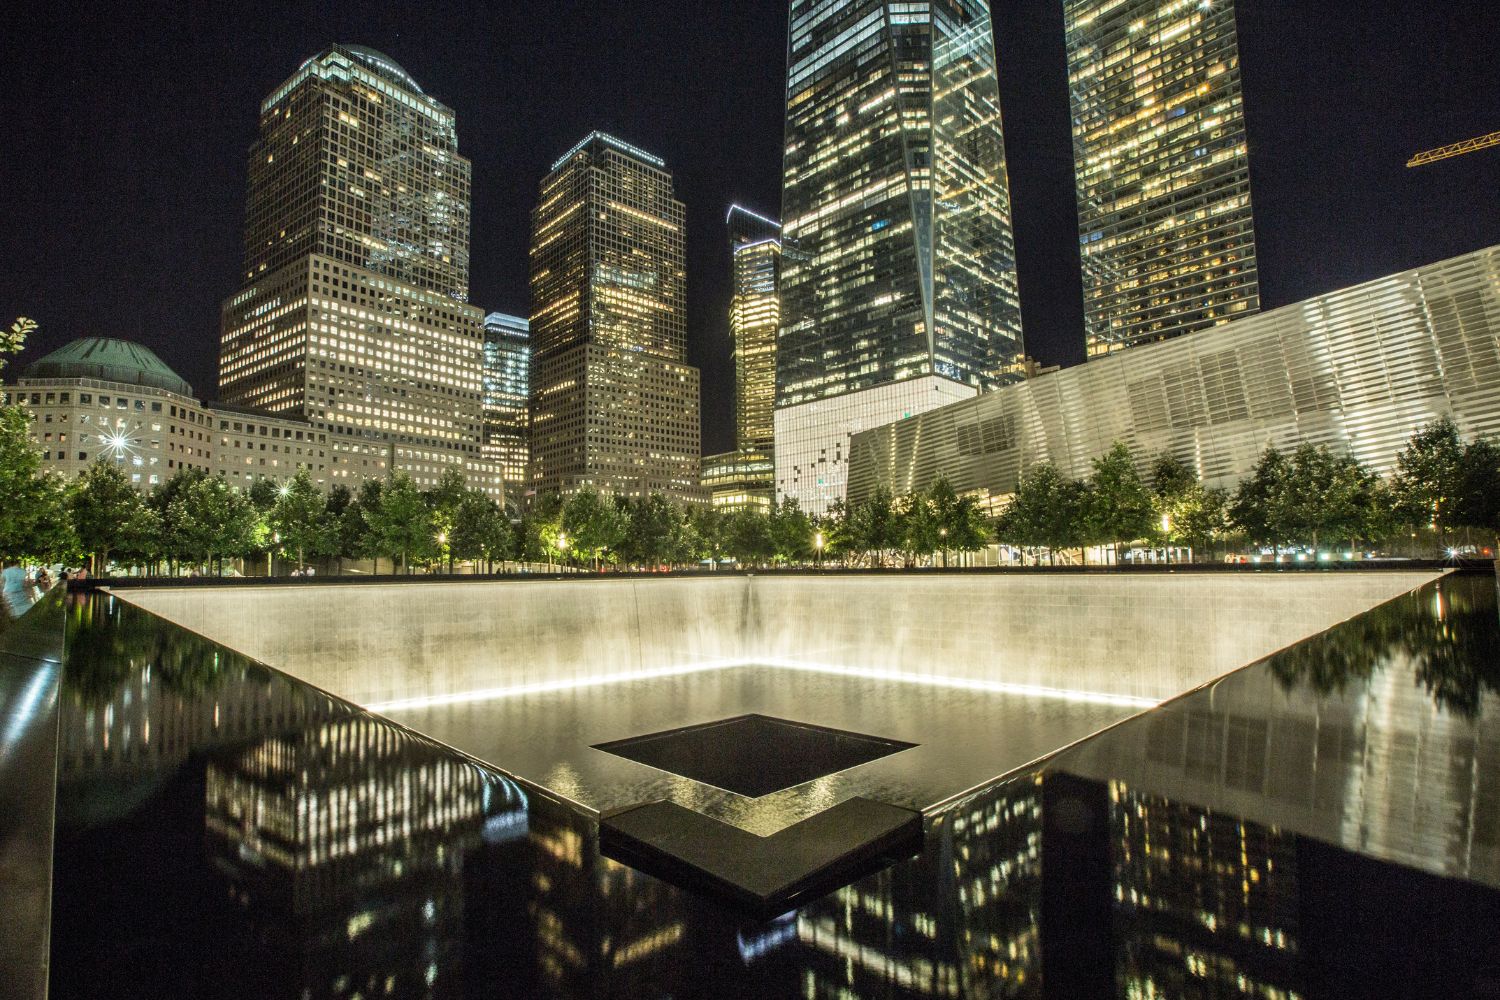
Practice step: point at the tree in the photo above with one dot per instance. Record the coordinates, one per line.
(33, 518)
(872, 526)
(1326, 496)
(480, 530)
(653, 531)
(1257, 505)
(1120, 508)
(748, 536)
(1189, 514)
(592, 525)
(703, 533)
(400, 523)
(1429, 476)
(1476, 503)
(108, 514)
(443, 500)
(792, 532)
(300, 516)
(917, 526)
(264, 494)
(206, 521)
(1047, 512)
(961, 524)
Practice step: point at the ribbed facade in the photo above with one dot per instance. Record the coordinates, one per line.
(507, 389)
(1166, 235)
(614, 405)
(899, 256)
(1357, 370)
(754, 317)
(352, 314)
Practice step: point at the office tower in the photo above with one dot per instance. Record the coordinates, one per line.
(614, 406)
(745, 477)
(507, 387)
(754, 314)
(898, 289)
(1164, 224)
(352, 311)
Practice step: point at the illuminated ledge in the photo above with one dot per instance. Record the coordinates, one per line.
(765, 875)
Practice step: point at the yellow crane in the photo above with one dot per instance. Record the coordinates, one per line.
(1455, 149)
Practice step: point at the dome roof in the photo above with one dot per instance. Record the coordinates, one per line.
(111, 360)
(383, 65)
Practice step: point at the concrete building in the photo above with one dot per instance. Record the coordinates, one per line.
(1166, 235)
(352, 310)
(507, 387)
(898, 289)
(100, 398)
(614, 405)
(1357, 370)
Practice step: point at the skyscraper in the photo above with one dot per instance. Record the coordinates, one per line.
(1164, 221)
(754, 314)
(352, 312)
(507, 387)
(614, 405)
(745, 477)
(898, 289)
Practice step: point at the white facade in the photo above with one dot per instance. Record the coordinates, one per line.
(812, 439)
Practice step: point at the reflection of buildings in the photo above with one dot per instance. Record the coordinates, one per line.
(507, 374)
(614, 404)
(345, 842)
(902, 294)
(1205, 903)
(1164, 222)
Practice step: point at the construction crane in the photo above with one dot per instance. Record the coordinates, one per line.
(1454, 149)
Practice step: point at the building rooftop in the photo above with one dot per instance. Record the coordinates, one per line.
(382, 64)
(111, 360)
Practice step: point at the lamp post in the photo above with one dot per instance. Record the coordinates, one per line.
(562, 547)
(275, 540)
(442, 539)
(943, 534)
(818, 547)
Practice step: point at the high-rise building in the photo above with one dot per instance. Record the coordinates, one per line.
(352, 313)
(745, 477)
(1164, 224)
(507, 387)
(898, 290)
(614, 405)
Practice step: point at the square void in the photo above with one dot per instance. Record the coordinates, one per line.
(753, 755)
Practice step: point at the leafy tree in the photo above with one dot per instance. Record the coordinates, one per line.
(918, 528)
(1327, 497)
(401, 523)
(961, 524)
(1476, 503)
(108, 514)
(871, 527)
(206, 521)
(1047, 512)
(33, 518)
(1189, 514)
(1120, 508)
(792, 532)
(300, 516)
(443, 500)
(480, 530)
(653, 531)
(264, 494)
(748, 536)
(704, 534)
(592, 525)
(1258, 502)
(1429, 476)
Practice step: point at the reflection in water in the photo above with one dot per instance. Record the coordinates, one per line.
(1448, 633)
(230, 832)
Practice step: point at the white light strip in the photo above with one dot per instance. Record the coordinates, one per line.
(899, 676)
(969, 684)
(543, 687)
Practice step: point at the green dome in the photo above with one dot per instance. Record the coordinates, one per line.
(110, 360)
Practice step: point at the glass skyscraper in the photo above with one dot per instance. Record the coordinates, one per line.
(754, 315)
(507, 387)
(898, 288)
(614, 405)
(352, 314)
(1164, 222)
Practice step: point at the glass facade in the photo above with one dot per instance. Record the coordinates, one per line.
(900, 260)
(1357, 370)
(352, 314)
(614, 405)
(739, 480)
(507, 388)
(754, 315)
(1164, 223)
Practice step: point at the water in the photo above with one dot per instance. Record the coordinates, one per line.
(1324, 824)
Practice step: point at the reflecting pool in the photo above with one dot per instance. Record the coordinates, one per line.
(1323, 823)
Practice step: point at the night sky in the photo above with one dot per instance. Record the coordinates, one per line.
(125, 130)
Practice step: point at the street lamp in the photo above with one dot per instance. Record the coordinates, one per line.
(275, 540)
(818, 545)
(943, 534)
(562, 547)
